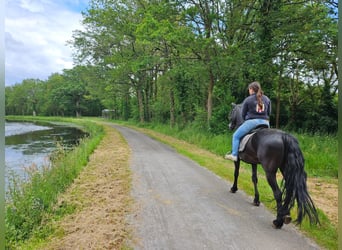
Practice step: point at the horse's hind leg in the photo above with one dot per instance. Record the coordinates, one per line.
(271, 178)
(234, 188)
(256, 201)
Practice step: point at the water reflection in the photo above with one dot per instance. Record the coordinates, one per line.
(17, 128)
(28, 144)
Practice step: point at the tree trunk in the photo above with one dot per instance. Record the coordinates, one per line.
(172, 109)
(210, 97)
(278, 111)
(278, 98)
(141, 105)
(78, 113)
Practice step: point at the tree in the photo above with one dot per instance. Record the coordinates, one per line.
(191, 58)
(22, 99)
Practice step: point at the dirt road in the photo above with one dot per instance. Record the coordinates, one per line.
(181, 205)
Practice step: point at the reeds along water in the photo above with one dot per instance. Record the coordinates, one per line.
(29, 145)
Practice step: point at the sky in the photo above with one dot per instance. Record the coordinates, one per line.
(36, 35)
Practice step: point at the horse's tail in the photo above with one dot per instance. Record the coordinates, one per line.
(294, 188)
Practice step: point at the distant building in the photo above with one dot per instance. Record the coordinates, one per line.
(108, 113)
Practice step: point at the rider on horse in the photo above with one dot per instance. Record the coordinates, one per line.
(256, 110)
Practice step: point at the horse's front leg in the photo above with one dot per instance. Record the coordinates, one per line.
(234, 188)
(256, 201)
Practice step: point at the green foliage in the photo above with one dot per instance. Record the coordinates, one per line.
(63, 95)
(320, 153)
(23, 99)
(184, 62)
(28, 202)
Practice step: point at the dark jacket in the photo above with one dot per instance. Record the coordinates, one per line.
(250, 108)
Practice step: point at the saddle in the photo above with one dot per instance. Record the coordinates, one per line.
(249, 135)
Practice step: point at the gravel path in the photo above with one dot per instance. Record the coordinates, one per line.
(181, 205)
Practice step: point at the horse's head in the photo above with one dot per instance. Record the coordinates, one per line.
(235, 116)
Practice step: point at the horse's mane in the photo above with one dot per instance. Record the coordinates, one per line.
(238, 113)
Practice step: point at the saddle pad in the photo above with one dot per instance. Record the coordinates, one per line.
(244, 141)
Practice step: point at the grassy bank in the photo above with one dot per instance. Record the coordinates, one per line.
(30, 203)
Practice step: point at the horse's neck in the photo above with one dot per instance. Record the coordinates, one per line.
(239, 119)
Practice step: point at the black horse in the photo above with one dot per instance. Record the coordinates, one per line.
(273, 149)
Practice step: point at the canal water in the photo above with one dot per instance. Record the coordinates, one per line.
(29, 144)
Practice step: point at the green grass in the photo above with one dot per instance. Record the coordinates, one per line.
(320, 153)
(29, 203)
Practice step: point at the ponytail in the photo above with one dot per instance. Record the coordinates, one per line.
(258, 92)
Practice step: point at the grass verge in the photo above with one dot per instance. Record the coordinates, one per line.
(30, 203)
(101, 198)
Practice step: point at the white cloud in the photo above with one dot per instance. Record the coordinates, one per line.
(33, 6)
(36, 35)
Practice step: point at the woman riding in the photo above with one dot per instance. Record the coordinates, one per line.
(256, 110)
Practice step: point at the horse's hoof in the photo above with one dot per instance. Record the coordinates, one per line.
(277, 224)
(287, 219)
(256, 203)
(233, 190)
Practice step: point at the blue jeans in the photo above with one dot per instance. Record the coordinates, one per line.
(245, 127)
